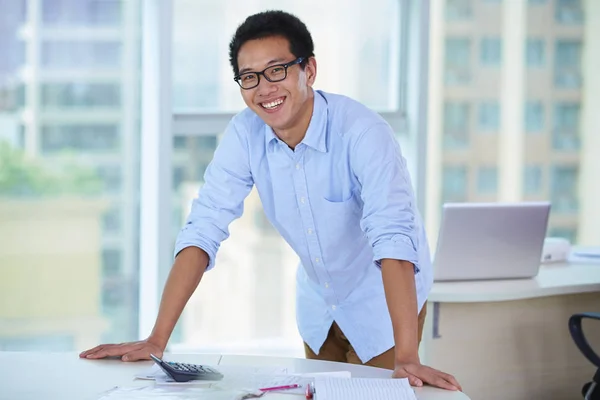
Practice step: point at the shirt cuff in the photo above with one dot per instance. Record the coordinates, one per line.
(189, 238)
(398, 247)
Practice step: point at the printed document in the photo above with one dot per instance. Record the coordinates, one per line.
(328, 388)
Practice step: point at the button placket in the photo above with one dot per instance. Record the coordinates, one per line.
(300, 186)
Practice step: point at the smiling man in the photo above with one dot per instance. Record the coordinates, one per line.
(334, 183)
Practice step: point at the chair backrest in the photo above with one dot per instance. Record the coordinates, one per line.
(579, 338)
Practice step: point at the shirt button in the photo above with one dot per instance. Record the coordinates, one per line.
(309, 231)
(302, 200)
(297, 166)
(333, 307)
(326, 285)
(317, 259)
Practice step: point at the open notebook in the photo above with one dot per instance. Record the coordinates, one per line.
(327, 388)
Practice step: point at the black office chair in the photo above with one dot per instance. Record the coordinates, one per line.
(591, 390)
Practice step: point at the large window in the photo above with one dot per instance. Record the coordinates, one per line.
(545, 81)
(68, 173)
(510, 115)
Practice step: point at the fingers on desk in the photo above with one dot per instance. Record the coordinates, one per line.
(442, 380)
(140, 354)
(414, 381)
(111, 350)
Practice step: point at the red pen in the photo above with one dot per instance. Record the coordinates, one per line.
(309, 392)
(285, 387)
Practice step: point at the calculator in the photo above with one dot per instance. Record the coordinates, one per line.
(182, 372)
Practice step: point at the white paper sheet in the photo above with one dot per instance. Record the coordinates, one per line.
(230, 372)
(328, 388)
(168, 393)
(586, 255)
(260, 381)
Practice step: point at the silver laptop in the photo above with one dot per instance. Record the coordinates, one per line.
(480, 241)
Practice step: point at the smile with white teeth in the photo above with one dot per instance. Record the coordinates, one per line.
(273, 104)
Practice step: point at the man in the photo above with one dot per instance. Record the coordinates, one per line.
(333, 181)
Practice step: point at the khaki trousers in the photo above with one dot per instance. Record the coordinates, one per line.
(337, 347)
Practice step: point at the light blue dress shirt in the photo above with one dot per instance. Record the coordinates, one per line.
(343, 200)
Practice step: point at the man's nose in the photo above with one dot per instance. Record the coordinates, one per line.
(265, 87)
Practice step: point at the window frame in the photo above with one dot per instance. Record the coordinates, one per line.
(155, 158)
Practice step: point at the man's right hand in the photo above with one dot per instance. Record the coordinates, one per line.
(183, 279)
(132, 351)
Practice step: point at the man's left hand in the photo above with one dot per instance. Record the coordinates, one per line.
(419, 374)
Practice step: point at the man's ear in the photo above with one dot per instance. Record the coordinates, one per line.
(311, 71)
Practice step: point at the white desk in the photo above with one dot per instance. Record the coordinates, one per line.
(64, 376)
(552, 280)
(508, 339)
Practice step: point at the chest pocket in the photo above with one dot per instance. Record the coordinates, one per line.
(339, 221)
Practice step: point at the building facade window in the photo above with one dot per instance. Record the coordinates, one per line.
(535, 52)
(456, 125)
(567, 64)
(569, 11)
(112, 178)
(532, 180)
(88, 138)
(565, 135)
(489, 116)
(179, 175)
(71, 95)
(112, 262)
(81, 12)
(491, 52)
(457, 61)
(458, 10)
(487, 180)
(78, 55)
(563, 191)
(112, 219)
(534, 116)
(455, 184)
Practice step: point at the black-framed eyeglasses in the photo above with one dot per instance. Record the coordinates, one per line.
(274, 73)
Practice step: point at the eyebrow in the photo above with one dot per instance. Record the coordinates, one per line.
(273, 61)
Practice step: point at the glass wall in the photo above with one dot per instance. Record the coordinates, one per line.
(69, 179)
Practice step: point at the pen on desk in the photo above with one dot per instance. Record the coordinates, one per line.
(285, 387)
(309, 392)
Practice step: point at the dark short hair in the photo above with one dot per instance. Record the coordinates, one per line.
(268, 24)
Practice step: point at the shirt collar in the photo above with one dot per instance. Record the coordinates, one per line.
(316, 134)
(270, 136)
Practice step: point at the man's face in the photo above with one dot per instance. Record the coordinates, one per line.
(279, 104)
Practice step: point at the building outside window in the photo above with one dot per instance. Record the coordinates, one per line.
(456, 125)
(491, 51)
(535, 52)
(457, 61)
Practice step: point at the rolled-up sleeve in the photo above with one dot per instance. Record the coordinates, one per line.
(227, 182)
(386, 190)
